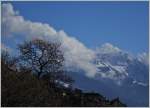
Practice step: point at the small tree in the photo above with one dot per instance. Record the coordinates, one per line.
(5, 56)
(43, 58)
(8, 60)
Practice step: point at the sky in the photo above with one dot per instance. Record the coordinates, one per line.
(123, 24)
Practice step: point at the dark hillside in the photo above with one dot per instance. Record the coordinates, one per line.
(22, 89)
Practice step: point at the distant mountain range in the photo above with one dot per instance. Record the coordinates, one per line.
(119, 74)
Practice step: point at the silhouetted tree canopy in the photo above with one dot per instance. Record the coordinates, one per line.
(44, 58)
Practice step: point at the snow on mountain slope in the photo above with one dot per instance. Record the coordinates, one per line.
(120, 74)
(119, 65)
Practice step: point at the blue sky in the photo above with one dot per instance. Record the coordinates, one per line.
(124, 24)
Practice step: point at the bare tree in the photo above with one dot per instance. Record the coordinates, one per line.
(43, 58)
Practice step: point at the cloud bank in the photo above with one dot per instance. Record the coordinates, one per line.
(76, 54)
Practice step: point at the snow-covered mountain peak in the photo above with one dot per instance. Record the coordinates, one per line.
(118, 65)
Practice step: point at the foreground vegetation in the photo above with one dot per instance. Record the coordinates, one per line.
(22, 89)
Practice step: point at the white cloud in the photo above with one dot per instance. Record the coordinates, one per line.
(76, 54)
(17, 25)
(107, 48)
